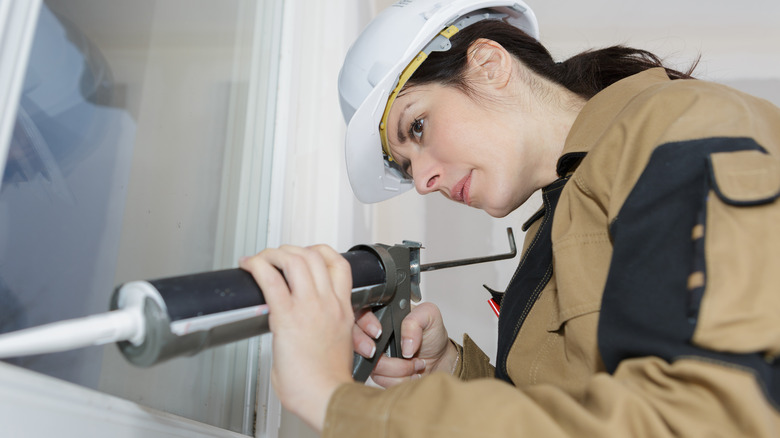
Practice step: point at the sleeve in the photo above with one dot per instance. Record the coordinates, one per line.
(689, 328)
(647, 400)
(473, 363)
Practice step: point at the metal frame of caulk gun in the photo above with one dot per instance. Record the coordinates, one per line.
(404, 260)
(152, 321)
(187, 314)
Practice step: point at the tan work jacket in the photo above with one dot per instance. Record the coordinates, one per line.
(661, 316)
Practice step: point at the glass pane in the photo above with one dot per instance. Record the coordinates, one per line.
(125, 144)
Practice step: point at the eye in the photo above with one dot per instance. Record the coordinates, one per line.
(416, 128)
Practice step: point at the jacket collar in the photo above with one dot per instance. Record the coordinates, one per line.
(599, 112)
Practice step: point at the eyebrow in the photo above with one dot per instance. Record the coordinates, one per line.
(401, 135)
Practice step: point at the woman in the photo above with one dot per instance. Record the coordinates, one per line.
(645, 303)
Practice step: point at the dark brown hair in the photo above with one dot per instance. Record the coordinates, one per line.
(584, 74)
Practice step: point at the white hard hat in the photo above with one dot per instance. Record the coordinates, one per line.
(402, 33)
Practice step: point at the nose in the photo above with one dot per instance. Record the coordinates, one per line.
(427, 177)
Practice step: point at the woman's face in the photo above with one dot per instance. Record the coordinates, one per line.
(469, 151)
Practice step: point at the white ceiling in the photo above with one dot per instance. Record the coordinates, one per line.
(735, 41)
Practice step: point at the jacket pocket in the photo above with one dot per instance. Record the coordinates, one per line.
(745, 178)
(580, 262)
(738, 304)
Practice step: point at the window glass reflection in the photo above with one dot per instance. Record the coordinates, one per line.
(115, 173)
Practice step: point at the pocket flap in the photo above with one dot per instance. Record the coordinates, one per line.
(563, 315)
(745, 177)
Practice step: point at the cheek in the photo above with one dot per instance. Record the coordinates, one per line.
(441, 143)
(502, 189)
(457, 144)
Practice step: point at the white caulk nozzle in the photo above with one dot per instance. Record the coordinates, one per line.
(119, 325)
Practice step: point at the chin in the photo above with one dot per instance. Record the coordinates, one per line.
(501, 208)
(496, 213)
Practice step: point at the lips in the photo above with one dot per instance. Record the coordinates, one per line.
(460, 192)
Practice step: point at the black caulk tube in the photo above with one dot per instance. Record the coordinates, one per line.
(187, 314)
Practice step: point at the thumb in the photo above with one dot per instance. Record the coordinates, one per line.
(421, 319)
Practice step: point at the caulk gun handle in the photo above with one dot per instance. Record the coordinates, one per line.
(390, 316)
(396, 304)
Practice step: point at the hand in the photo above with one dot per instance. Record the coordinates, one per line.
(425, 346)
(308, 293)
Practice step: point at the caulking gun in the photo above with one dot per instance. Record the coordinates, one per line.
(155, 320)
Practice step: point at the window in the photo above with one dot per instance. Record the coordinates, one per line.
(138, 152)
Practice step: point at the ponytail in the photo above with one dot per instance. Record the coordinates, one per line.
(584, 74)
(594, 70)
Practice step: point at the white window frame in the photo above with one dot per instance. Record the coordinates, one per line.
(309, 177)
(33, 404)
(17, 28)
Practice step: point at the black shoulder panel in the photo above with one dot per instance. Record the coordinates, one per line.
(647, 308)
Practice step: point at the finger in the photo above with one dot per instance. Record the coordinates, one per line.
(421, 319)
(414, 369)
(270, 280)
(306, 271)
(294, 268)
(388, 382)
(395, 367)
(339, 272)
(369, 323)
(412, 328)
(362, 343)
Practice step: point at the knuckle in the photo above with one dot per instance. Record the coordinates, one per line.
(292, 261)
(256, 265)
(313, 256)
(251, 263)
(320, 247)
(409, 325)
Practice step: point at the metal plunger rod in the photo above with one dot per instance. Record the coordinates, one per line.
(470, 261)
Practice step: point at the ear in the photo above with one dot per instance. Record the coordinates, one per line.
(489, 63)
